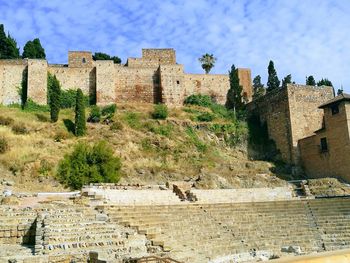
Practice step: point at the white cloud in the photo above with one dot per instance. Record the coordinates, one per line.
(303, 37)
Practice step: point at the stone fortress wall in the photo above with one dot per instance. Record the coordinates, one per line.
(153, 78)
(291, 114)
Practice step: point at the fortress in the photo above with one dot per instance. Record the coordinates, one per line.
(154, 78)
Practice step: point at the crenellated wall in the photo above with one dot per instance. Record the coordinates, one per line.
(153, 78)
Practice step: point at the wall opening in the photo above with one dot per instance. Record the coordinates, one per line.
(324, 144)
(335, 109)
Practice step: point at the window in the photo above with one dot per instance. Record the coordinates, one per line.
(324, 145)
(335, 109)
(84, 60)
(177, 82)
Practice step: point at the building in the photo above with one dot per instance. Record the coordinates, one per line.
(327, 151)
(153, 78)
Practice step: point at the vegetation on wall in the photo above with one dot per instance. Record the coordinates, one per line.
(160, 112)
(258, 88)
(89, 164)
(80, 122)
(286, 80)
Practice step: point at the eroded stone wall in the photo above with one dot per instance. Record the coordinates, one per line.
(37, 80)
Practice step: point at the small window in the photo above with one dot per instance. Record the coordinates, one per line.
(324, 145)
(177, 82)
(84, 60)
(335, 109)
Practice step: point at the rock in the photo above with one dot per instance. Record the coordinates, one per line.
(9, 183)
(101, 217)
(263, 258)
(291, 249)
(7, 193)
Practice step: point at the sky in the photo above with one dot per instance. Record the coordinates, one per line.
(302, 37)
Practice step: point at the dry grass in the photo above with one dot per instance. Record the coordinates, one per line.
(147, 157)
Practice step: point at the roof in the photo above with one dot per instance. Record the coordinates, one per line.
(337, 99)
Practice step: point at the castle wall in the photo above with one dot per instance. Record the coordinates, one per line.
(105, 82)
(11, 75)
(291, 114)
(165, 56)
(136, 84)
(216, 86)
(305, 115)
(245, 80)
(37, 80)
(172, 82)
(335, 162)
(74, 78)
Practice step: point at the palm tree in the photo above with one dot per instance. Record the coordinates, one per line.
(208, 61)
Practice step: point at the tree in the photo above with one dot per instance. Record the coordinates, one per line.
(104, 56)
(272, 81)
(234, 94)
(325, 82)
(340, 91)
(310, 80)
(80, 122)
(258, 88)
(208, 62)
(8, 45)
(54, 92)
(33, 49)
(287, 80)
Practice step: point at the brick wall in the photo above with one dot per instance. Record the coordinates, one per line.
(164, 56)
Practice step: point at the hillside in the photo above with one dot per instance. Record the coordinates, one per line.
(213, 154)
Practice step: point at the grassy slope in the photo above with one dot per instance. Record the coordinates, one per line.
(151, 151)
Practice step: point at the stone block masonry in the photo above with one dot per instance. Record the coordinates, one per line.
(153, 78)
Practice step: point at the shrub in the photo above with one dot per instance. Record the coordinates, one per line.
(68, 99)
(116, 126)
(95, 114)
(109, 110)
(200, 100)
(54, 92)
(42, 117)
(89, 164)
(80, 122)
(19, 128)
(192, 135)
(60, 136)
(133, 120)
(205, 116)
(164, 130)
(4, 146)
(160, 112)
(6, 121)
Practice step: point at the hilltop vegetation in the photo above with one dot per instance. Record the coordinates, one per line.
(205, 144)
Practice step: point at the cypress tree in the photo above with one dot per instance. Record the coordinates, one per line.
(234, 94)
(258, 88)
(310, 80)
(8, 45)
(54, 91)
(80, 122)
(287, 79)
(273, 81)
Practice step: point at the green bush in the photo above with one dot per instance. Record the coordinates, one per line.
(60, 135)
(6, 121)
(89, 164)
(200, 100)
(160, 112)
(68, 99)
(132, 119)
(160, 129)
(205, 116)
(95, 114)
(116, 126)
(80, 122)
(233, 133)
(19, 128)
(109, 110)
(194, 139)
(31, 106)
(4, 145)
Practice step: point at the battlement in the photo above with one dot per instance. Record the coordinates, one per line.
(80, 59)
(161, 55)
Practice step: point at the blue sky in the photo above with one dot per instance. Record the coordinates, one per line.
(302, 37)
